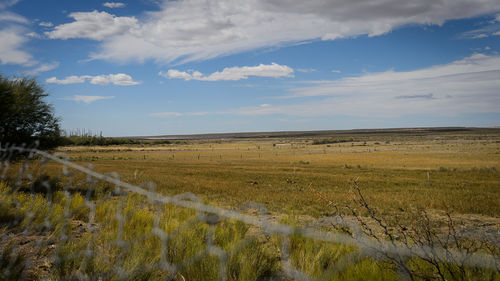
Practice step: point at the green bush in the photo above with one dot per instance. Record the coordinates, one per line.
(24, 115)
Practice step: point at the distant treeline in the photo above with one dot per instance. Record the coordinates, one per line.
(104, 141)
(328, 141)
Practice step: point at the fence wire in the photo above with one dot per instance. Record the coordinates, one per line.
(78, 224)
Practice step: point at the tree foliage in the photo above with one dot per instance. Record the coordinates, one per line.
(25, 117)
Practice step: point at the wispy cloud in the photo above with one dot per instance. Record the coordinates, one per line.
(8, 3)
(306, 70)
(479, 36)
(115, 79)
(6, 16)
(43, 68)
(273, 70)
(426, 97)
(87, 99)
(46, 24)
(492, 28)
(113, 5)
(68, 80)
(13, 39)
(469, 85)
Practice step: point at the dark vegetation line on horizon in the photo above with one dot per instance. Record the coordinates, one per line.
(87, 138)
(319, 133)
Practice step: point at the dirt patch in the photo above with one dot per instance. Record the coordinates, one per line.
(31, 255)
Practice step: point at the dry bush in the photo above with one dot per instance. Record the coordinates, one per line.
(430, 250)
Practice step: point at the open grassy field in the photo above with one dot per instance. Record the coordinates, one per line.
(294, 177)
(455, 171)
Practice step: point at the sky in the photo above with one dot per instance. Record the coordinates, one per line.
(158, 67)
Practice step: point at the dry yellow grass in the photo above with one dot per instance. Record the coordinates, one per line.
(438, 172)
(457, 172)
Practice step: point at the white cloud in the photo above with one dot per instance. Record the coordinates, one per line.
(489, 28)
(116, 79)
(46, 24)
(93, 25)
(172, 73)
(114, 5)
(190, 30)
(12, 17)
(13, 37)
(68, 80)
(33, 35)
(43, 68)
(10, 47)
(496, 33)
(336, 71)
(469, 85)
(87, 99)
(273, 70)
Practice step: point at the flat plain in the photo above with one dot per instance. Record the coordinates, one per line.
(424, 186)
(454, 171)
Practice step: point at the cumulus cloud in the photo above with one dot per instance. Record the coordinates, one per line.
(92, 25)
(112, 5)
(190, 30)
(10, 47)
(87, 99)
(116, 79)
(469, 85)
(273, 70)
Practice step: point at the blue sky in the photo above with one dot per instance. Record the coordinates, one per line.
(153, 67)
